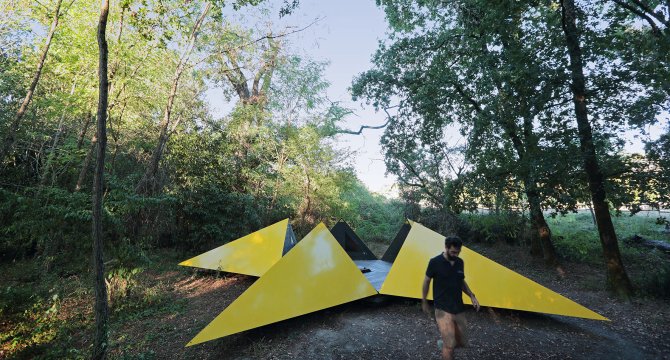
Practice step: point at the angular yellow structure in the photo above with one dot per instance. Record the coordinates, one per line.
(494, 284)
(316, 274)
(252, 254)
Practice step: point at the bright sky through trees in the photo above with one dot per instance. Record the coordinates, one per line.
(345, 34)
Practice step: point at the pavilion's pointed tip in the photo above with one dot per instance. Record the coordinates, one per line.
(194, 341)
(252, 254)
(600, 317)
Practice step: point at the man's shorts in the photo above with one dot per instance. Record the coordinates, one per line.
(452, 328)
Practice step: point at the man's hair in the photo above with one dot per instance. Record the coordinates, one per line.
(455, 241)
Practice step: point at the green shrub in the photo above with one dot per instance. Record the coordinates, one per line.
(208, 216)
(121, 282)
(576, 237)
(43, 221)
(580, 246)
(656, 281)
(14, 298)
(508, 227)
(38, 327)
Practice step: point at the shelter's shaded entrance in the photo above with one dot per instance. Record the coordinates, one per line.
(352, 244)
(393, 249)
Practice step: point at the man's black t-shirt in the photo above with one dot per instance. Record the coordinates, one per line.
(447, 283)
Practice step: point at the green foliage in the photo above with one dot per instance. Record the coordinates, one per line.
(13, 298)
(654, 280)
(121, 283)
(271, 157)
(576, 239)
(372, 216)
(48, 316)
(496, 71)
(657, 189)
(44, 221)
(40, 326)
(495, 228)
(209, 217)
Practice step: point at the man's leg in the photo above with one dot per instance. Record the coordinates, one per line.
(446, 325)
(460, 332)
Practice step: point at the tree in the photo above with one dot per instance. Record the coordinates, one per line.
(10, 138)
(465, 68)
(657, 189)
(616, 274)
(500, 71)
(147, 184)
(100, 342)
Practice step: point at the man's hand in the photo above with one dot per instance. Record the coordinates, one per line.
(425, 307)
(475, 302)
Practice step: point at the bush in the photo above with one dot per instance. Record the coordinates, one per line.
(655, 281)
(208, 216)
(508, 227)
(38, 329)
(580, 246)
(43, 221)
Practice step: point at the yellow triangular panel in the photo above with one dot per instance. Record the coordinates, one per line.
(493, 284)
(316, 274)
(252, 255)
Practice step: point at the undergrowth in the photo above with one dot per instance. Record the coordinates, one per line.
(48, 316)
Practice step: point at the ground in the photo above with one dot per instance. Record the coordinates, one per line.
(395, 328)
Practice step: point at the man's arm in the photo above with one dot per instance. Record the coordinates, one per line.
(424, 294)
(467, 291)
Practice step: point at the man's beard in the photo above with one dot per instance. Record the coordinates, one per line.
(451, 258)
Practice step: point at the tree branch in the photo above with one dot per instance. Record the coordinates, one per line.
(362, 128)
(423, 186)
(651, 12)
(654, 29)
(360, 131)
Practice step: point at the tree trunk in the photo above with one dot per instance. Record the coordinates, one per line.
(535, 245)
(527, 151)
(101, 308)
(593, 216)
(82, 135)
(540, 225)
(85, 164)
(147, 184)
(11, 134)
(617, 279)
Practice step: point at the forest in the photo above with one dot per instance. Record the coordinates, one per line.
(507, 123)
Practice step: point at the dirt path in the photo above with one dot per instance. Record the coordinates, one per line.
(397, 329)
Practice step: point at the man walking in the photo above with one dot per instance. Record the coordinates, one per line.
(447, 271)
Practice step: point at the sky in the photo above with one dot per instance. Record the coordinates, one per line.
(346, 34)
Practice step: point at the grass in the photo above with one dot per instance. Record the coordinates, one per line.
(576, 239)
(576, 236)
